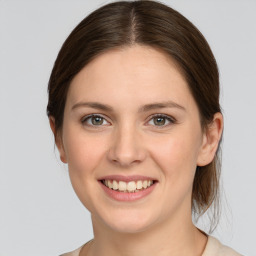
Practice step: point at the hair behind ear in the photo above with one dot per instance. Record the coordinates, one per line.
(207, 177)
(58, 140)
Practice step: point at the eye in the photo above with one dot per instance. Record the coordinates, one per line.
(94, 120)
(161, 120)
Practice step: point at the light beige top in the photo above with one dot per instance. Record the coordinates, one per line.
(213, 248)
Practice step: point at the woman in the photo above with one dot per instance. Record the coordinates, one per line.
(134, 107)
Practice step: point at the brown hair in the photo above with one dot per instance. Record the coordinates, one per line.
(151, 23)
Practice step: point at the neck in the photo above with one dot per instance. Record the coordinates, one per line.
(175, 238)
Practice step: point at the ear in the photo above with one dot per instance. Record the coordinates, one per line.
(211, 139)
(58, 140)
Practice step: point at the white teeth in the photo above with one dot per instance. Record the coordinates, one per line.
(122, 186)
(145, 184)
(131, 186)
(109, 184)
(139, 184)
(115, 185)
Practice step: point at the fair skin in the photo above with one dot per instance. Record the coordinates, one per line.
(129, 141)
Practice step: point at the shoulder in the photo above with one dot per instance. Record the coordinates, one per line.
(77, 251)
(215, 248)
(73, 253)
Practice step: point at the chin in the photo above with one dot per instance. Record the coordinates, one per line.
(129, 227)
(130, 221)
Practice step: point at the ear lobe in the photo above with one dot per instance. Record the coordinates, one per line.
(211, 139)
(58, 140)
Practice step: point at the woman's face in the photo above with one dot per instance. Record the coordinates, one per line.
(145, 129)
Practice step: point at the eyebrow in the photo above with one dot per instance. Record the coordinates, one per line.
(144, 108)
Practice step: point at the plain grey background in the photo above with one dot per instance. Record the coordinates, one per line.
(39, 212)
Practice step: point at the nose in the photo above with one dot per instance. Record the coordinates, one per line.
(127, 147)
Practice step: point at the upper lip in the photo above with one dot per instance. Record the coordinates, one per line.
(126, 178)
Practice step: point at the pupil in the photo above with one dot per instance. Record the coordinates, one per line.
(159, 120)
(97, 120)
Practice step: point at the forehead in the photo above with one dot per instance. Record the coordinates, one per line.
(136, 73)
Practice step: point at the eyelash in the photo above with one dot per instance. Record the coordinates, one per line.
(166, 117)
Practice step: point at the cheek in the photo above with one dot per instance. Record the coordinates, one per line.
(83, 153)
(177, 154)
(177, 159)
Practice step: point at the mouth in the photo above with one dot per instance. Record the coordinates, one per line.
(128, 187)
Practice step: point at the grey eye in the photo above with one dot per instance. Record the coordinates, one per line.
(159, 120)
(94, 120)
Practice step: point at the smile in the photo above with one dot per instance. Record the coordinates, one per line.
(128, 187)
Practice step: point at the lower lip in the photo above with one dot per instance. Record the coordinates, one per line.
(123, 196)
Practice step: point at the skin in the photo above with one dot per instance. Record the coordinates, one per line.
(129, 142)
